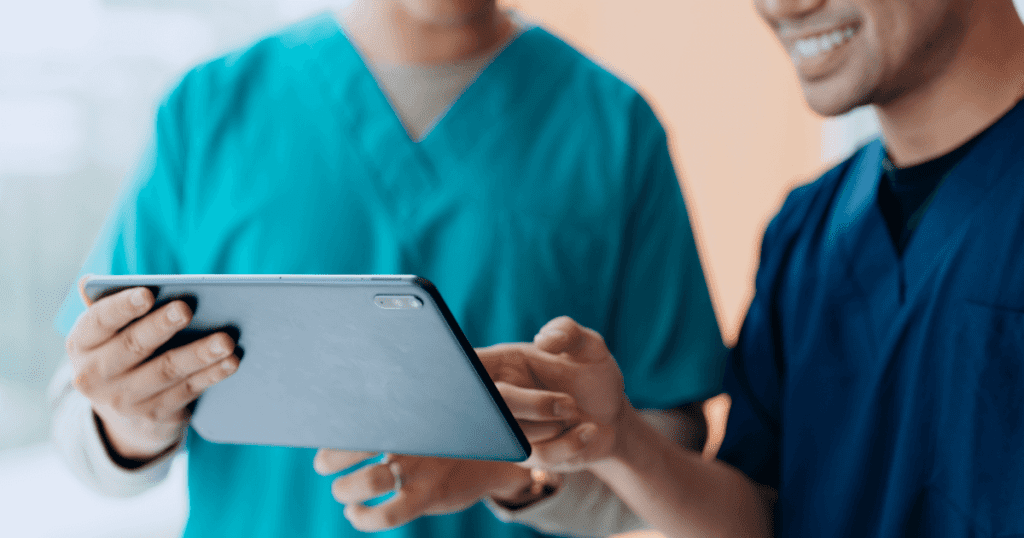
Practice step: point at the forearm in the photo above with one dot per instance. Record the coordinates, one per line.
(679, 493)
(586, 506)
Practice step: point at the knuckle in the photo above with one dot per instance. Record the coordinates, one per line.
(168, 369)
(195, 385)
(132, 343)
(118, 401)
(93, 317)
(514, 357)
(390, 517)
(153, 413)
(380, 480)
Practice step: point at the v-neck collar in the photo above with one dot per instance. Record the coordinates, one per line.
(375, 131)
(376, 95)
(858, 229)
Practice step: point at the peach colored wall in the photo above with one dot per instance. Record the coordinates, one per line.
(741, 135)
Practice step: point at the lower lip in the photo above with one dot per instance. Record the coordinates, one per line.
(823, 64)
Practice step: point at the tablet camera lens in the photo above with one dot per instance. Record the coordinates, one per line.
(398, 302)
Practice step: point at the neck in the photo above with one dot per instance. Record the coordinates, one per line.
(984, 80)
(384, 30)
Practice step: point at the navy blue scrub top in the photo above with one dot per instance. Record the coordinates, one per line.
(884, 396)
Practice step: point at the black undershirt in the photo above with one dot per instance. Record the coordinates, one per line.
(904, 194)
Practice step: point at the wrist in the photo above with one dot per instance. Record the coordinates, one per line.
(512, 480)
(631, 441)
(528, 487)
(629, 425)
(129, 455)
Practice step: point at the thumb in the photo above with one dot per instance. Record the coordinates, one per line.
(561, 335)
(81, 290)
(565, 335)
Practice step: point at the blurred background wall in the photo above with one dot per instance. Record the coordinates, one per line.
(80, 79)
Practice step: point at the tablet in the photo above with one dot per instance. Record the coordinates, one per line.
(353, 362)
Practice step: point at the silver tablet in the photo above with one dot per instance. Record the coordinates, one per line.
(372, 362)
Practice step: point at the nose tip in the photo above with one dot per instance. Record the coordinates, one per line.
(775, 11)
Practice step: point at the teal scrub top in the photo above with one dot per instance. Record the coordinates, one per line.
(546, 190)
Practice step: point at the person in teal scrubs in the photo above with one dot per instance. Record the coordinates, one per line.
(543, 188)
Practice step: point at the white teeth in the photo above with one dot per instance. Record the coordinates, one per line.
(809, 47)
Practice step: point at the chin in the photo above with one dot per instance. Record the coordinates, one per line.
(835, 97)
(447, 11)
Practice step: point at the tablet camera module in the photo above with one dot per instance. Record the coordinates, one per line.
(398, 302)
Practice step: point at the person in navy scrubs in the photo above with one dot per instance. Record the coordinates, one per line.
(878, 380)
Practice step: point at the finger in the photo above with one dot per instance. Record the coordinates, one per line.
(537, 404)
(329, 461)
(581, 444)
(81, 290)
(101, 321)
(539, 432)
(564, 335)
(367, 483)
(397, 511)
(561, 335)
(141, 339)
(506, 362)
(175, 365)
(169, 405)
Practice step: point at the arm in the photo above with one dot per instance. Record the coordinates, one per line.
(583, 505)
(680, 493)
(77, 436)
(672, 488)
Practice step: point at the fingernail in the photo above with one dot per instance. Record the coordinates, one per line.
(228, 366)
(555, 333)
(137, 297)
(217, 348)
(174, 314)
(552, 334)
(587, 433)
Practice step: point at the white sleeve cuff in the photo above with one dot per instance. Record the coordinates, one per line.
(582, 506)
(78, 440)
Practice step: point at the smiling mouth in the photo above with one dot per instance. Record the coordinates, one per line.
(823, 43)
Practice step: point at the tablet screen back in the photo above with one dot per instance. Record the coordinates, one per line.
(349, 362)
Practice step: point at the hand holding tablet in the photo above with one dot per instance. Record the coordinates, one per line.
(141, 396)
(363, 363)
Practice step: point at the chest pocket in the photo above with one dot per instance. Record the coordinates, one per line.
(990, 344)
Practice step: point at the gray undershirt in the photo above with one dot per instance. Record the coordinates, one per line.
(421, 94)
